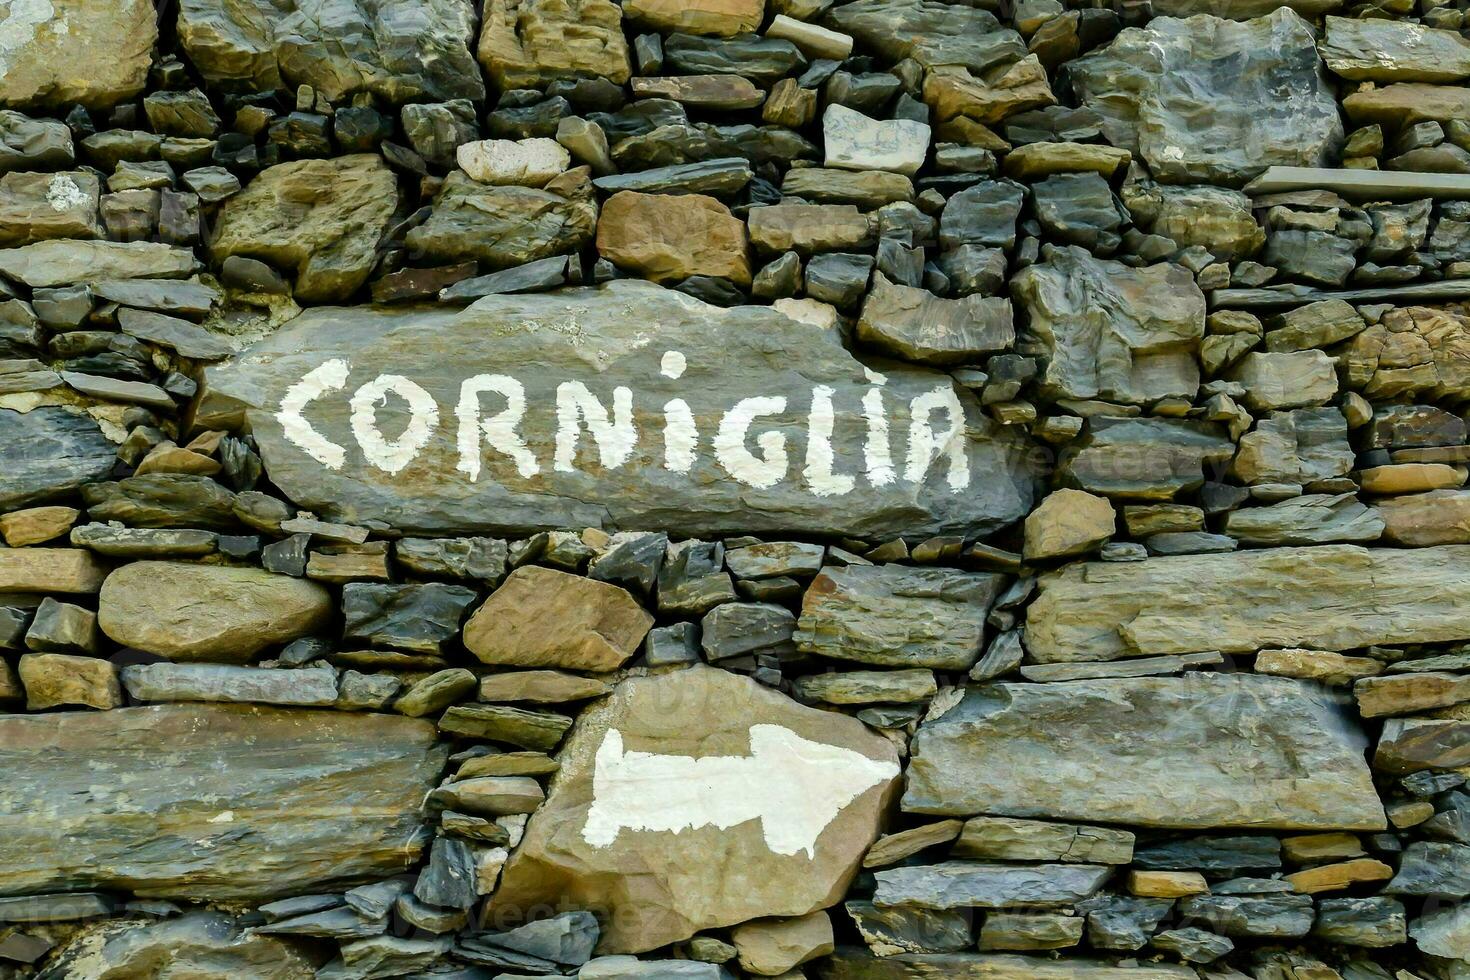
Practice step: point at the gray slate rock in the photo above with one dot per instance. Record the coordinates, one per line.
(419, 618)
(753, 352)
(897, 616)
(291, 800)
(1284, 916)
(47, 453)
(1125, 750)
(196, 943)
(1199, 99)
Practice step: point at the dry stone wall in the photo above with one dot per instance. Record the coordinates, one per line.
(851, 489)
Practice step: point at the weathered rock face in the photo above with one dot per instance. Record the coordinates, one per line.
(1199, 98)
(221, 802)
(321, 219)
(1336, 597)
(662, 777)
(156, 606)
(1102, 330)
(197, 944)
(400, 52)
(668, 238)
(545, 618)
(47, 452)
(948, 467)
(508, 226)
(35, 207)
(1242, 750)
(96, 52)
(528, 43)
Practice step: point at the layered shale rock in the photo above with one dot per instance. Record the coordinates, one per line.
(1148, 88)
(1243, 751)
(658, 779)
(221, 802)
(93, 52)
(1336, 597)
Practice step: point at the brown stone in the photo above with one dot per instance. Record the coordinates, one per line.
(1407, 694)
(544, 618)
(669, 237)
(69, 570)
(809, 228)
(952, 91)
(1419, 520)
(54, 679)
(1406, 103)
(1323, 666)
(189, 612)
(96, 52)
(1335, 877)
(1396, 478)
(892, 848)
(653, 786)
(769, 947)
(36, 525)
(724, 92)
(1069, 522)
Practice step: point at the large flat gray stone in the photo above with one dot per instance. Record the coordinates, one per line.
(628, 340)
(210, 802)
(1202, 750)
(1335, 597)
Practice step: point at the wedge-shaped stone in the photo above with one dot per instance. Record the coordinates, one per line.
(208, 612)
(849, 963)
(1202, 750)
(653, 820)
(549, 411)
(221, 802)
(1394, 51)
(1199, 99)
(1336, 597)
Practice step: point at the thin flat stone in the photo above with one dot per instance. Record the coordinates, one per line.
(171, 332)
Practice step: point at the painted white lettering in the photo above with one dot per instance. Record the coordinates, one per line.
(819, 455)
(499, 430)
(615, 436)
(794, 786)
(877, 451)
(681, 437)
(925, 446)
(423, 419)
(765, 470)
(328, 376)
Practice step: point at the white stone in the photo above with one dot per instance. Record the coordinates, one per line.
(529, 163)
(814, 40)
(857, 142)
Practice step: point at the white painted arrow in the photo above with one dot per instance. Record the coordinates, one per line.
(795, 787)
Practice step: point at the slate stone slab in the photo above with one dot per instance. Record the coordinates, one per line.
(570, 357)
(1335, 597)
(47, 452)
(1202, 750)
(210, 802)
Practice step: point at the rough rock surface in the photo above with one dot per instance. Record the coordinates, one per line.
(93, 52)
(1337, 597)
(47, 452)
(195, 944)
(589, 847)
(758, 354)
(318, 219)
(401, 52)
(1244, 751)
(158, 607)
(222, 802)
(1149, 88)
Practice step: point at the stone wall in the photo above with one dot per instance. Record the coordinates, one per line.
(863, 490)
